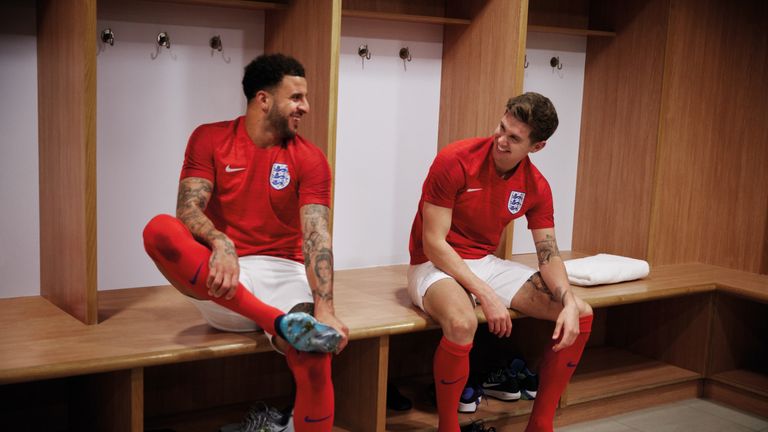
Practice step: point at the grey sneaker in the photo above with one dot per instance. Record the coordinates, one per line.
(262, 418)
(305, 333)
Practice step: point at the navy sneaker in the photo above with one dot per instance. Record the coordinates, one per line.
(470, 399)
(529, 381)
(501, 385)
(305, 333)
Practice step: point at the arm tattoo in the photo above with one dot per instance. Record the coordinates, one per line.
(547, 249)
(318, 256)
(539, 285)
(193, 197)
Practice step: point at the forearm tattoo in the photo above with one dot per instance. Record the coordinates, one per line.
(547, 249)
(191, 201)
(318, 256)
(539, 285)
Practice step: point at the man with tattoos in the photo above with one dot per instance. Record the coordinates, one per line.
(474, 188)
(250, 240)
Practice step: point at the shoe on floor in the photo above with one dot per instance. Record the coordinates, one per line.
(262, 418)
(477, 426)
(470, 399)
(395, 400)
(528, 381)
(305, 333)
(501, 385)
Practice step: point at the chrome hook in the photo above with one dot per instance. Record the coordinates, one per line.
(405, 54)
(108, 36)
(525, 63)
(216, 45)
(555, 63)
(364, 53)
(164, 40)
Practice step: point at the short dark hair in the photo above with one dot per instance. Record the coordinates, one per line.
(267, 71)
(536, 111)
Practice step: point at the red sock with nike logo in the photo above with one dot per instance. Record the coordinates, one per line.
(555, 371)
(184, 260)
(451, 371)
(313, 408)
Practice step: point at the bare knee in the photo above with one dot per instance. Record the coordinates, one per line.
(460, 328)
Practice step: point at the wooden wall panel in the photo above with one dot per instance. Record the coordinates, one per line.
(482, 66)
(422, 7)
(674, 331)
(712, 181)
(310, 30)
(559, 13)
(619, 124)
(66, 65)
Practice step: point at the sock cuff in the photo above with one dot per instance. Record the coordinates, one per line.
(454, 348)
(585, 324)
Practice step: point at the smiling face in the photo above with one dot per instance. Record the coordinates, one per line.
(512, 143)
(288, 105)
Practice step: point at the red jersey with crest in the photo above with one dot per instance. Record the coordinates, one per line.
(257, 192)
(463, 178)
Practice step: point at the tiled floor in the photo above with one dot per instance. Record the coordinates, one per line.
(694, 415)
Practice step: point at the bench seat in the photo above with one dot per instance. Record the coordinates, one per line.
(151, 326)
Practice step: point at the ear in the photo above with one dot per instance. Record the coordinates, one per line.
(538, 146)
(263, 99)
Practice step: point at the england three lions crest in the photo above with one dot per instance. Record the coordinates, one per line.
(515, 201)
(280, 177)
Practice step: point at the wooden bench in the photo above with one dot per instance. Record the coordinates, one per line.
(662, 338)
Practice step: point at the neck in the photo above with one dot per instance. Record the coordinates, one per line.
(258, 129)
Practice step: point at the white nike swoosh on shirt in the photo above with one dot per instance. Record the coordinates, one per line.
(229, 169)
(474, 189)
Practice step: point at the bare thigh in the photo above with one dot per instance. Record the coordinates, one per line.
(452, 307)
(536, 300)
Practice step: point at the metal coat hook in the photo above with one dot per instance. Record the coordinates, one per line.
(525, 63)
(405, 54)
(555, 63)
(364, 53)
(216, 45)
(108, 37)
(163, 40)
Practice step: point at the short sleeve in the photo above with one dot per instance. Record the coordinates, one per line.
(444, 181)
(315, 183)
(198, 158)
(542, 214)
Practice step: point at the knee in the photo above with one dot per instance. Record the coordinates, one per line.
(461, 328)
(157, 237)
(157, 225)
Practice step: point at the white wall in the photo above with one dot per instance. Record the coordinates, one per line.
(148, 108)
(387, 129)
(559, 159)
(20, 227)
(386, 138)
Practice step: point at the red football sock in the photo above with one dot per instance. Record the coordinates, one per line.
(313, 409)
(555, 371)
(451, 371)
(184, 260)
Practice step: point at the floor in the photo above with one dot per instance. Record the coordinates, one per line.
(695, 415)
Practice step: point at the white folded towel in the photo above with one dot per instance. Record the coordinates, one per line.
(605, 269)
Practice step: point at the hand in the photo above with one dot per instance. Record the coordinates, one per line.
(497, 315)
(567, 324)
(224, 274)
(330, 319)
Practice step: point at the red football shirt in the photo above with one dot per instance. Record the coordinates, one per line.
(257, 192)
(463, 178)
